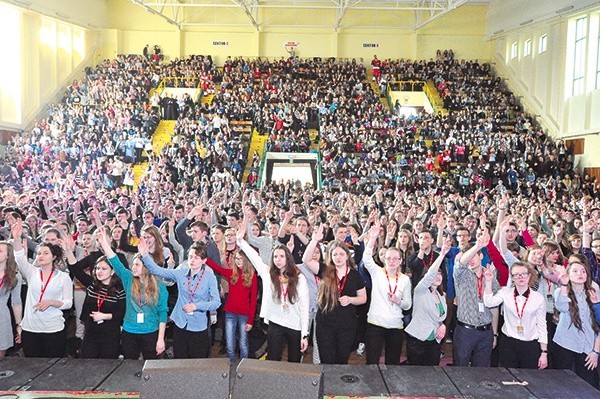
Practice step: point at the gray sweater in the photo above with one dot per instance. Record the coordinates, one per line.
(426, 316)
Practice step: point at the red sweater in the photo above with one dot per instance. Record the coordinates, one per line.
(498, 261)
(241, 300)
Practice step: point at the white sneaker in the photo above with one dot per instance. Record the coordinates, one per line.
(361, 349)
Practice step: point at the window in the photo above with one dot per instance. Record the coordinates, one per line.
(514, 50)
(579, 56)
(527, 48)
(598, 64)
(543, 44)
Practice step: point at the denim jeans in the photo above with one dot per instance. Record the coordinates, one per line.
(235, 325)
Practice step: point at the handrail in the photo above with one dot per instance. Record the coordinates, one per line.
(176, 82)
(425, 86)
(263, 163)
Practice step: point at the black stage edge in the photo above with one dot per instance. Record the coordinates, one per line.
(66, 378)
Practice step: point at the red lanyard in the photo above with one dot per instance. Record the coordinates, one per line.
(342, 284)
(549, 283)
(389, 284)
(425, 265)
(190, 292)
(480, 285)
(520, 314)
(317, 280)
(284, 291)
(45, 285)
(4, 277)
(100, 300)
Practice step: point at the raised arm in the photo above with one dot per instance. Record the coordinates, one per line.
(259, 265)
(113, 259)
(23, 264)
(481, 243)
(284, 223)
(502, 204)
(307, 258)
(368, 261)
(433, 270)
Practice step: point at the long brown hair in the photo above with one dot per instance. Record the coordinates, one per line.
(573, 308)
(410, 248)
(10, 271)
(158, 254)
(328, 297)
(115, 283)
(148, 281)
(247, 270)
(291, 272)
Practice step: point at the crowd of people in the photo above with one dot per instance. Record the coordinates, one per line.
(495, 254)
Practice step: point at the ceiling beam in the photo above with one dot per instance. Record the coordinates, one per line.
(242, 3)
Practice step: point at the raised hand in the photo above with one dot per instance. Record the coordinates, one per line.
(374, 233)
(318, 233)
(142, 248)
(483, 240)
(446, 246)
(489, 273)
(241, 230)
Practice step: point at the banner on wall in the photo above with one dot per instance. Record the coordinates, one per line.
(370, 45)
(291, 44)
(220, 43)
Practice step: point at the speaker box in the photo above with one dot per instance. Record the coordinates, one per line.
(185, 379)
(266, 379)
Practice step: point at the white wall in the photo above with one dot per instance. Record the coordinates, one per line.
(544, 80)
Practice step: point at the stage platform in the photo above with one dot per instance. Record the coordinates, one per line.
(85, 378)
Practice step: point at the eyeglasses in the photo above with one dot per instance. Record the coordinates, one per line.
(596, 246)
(520, 275)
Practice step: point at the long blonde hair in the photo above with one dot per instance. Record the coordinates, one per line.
(247, 270)
(146, 280)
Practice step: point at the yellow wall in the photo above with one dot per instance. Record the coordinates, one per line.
(461, 29)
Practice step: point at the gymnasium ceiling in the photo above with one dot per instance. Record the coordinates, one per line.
(336, 14)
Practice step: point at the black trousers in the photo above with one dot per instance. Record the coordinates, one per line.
(191, 344)
(101, 347)
(518, 354)
(44, 344)
(134, 344)
(377, 337)
(277, 337)
(422, 353)
(335, 343)
(566, 359)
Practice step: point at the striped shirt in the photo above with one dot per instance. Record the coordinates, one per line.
(469, 296)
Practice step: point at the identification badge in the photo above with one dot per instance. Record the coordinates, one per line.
(140, 317)
(481, 307)
(285, 308)
(520, 330)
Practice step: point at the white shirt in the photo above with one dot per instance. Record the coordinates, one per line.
(383, 312)
(60, 288)
(531, 309)
(296, 317)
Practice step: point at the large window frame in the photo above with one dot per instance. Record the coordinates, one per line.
(579, 56)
